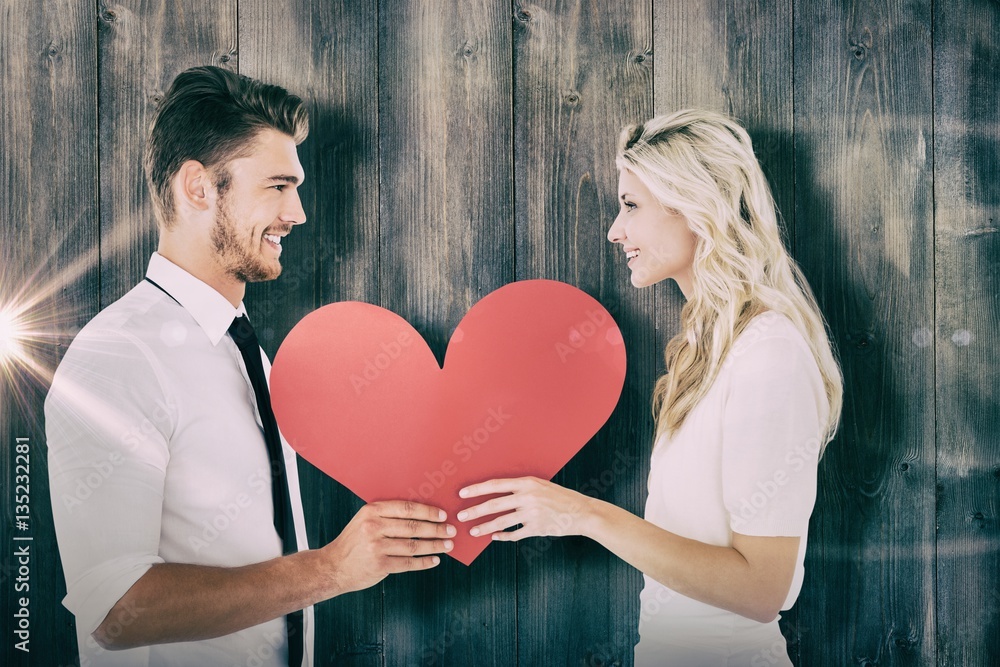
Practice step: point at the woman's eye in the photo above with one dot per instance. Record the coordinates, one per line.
(629, 205)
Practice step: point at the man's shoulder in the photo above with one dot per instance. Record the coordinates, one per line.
(126, 330)
(110, 355)
(132, 316)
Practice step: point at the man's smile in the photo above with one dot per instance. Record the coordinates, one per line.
(274, 239)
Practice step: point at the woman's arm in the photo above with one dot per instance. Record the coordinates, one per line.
(751, 578)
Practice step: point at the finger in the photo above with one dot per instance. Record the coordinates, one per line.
(512, 535)
(399, 564)
(494, 486)
(407, 528)
(394, 547)
(498, 524)
(492, 506)
(407, 509)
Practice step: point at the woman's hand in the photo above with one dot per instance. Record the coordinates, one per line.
(541, 507)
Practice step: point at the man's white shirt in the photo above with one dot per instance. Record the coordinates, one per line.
(156, 455)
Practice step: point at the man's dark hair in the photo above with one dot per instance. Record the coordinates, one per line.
(213, 116)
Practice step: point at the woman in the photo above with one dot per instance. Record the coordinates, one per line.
(751, 396)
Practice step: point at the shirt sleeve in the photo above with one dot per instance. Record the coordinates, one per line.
(107, 422)
(771, 438)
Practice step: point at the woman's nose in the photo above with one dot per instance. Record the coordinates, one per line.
(617, 232)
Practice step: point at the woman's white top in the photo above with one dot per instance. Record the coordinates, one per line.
(744, 461)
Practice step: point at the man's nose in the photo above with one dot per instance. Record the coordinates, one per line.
(293, 211)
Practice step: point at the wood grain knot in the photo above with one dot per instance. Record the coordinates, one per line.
(522, 16)
(571, 99)
(904, 467)
(469, 49)
(109, 16)
(863, 341)
(860, 45)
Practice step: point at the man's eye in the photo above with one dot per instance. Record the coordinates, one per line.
(280, 187)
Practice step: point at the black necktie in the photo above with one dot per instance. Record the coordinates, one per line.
(246, 340)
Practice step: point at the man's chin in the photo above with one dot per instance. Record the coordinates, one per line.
(259, 274)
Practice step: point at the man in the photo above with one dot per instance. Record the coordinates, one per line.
(176, 502)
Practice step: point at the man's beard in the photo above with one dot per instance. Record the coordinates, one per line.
(245, 263)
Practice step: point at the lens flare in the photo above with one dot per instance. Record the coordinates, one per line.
(48, 290)
(32, 334)
(11, 334)
(25, 342)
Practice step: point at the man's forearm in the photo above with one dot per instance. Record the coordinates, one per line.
(174, 602)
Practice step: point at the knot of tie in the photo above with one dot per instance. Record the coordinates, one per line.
(242, 332)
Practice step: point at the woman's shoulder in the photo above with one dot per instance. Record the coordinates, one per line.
(770, 324)
(772, 360)
(770, 337)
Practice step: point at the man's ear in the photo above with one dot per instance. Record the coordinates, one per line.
(193, 187)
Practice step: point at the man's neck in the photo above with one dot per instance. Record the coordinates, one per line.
(206, 270)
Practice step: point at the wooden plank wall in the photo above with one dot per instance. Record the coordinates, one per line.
(458, 146)
(49, 276)
(967, 368)
(864, 216)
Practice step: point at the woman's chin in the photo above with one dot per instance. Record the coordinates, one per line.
(642, 278)
(639, 281)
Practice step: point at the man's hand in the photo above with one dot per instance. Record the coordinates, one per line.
(384, 538)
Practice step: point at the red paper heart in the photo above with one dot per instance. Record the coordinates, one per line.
(531, 373)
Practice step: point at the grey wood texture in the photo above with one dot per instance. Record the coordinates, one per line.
(967, 363)
(458, 146)
(49, 281)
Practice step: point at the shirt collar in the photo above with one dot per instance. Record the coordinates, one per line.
(212, 311)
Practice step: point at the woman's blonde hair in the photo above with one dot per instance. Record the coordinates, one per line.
(702, 164)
